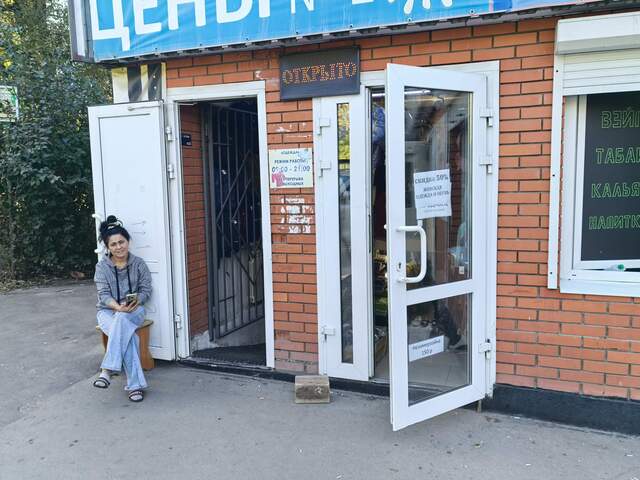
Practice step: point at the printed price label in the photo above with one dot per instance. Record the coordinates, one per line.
(426, 348)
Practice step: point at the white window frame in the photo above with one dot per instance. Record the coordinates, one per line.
(604, 41)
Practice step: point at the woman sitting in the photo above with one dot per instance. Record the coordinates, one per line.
(124, 285)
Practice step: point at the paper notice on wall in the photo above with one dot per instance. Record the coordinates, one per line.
(426, 348)
(432, 191)
(291, 168)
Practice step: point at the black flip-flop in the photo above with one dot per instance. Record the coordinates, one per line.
(101, 382)
(139, 393)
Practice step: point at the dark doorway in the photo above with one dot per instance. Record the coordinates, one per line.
(234, 232)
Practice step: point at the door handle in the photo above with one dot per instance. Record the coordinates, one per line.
(423, 253)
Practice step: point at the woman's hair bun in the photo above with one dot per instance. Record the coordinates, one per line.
(110, 222)
(110, 227)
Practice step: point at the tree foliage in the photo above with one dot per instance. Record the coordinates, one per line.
(45, 168)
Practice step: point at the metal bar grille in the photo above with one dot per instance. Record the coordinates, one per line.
(234, 224)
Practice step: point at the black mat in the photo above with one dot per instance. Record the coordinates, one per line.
(246, 355)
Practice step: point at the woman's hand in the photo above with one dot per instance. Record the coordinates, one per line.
(115, 306)
(129, 307)
(126, 308)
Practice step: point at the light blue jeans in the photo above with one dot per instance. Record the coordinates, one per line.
(123, 347)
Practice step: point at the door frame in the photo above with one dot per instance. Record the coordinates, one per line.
(175, 97)
(491, 70)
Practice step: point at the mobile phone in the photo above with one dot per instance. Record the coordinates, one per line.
(131, 298)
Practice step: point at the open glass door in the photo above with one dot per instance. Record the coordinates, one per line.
(435, 198)
(130, 181)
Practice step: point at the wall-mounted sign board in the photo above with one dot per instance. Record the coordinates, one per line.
(106, 30)
(611, 184)
(319, 74)
(291, 168)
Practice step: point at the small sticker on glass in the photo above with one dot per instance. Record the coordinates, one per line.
(426, 348)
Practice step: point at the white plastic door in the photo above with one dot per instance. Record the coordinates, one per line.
(435, 230)
(342, 236)
(129, 181)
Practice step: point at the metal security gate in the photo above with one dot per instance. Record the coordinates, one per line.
(234, 233)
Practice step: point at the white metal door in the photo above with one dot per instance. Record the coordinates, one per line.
(129, 181)
(436, 197)
(342, 236)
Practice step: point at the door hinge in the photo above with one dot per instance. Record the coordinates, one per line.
(487, 114)
(326, 331)
(177, 320)
(487, 158)
(323, 122)
(171, 171)
(486, 348)
(324, 165)
(168, 133)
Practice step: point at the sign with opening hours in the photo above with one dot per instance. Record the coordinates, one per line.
(291, 168)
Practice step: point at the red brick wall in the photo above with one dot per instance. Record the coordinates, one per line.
(195, 220)
(293, 220)
(294, 278)
(577, 343)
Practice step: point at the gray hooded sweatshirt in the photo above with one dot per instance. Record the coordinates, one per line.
(134, 278)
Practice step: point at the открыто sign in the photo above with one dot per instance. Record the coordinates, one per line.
(318, 74)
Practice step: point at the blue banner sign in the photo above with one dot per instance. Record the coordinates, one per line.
(130, 28)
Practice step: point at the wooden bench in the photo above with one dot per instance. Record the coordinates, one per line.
(146, 360)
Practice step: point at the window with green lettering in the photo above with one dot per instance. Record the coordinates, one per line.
(609, 227)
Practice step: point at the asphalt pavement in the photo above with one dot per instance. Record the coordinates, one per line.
(198, 424)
